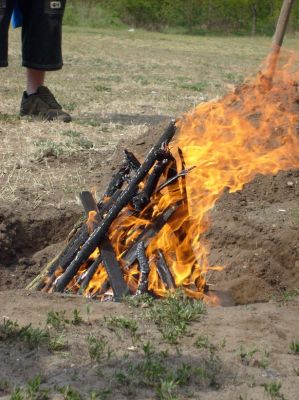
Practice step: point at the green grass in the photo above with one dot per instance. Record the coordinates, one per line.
(168, 376)
(122, 324)
(32, 391)
(98, 349)
(173, 314)
(33, 337)
(273, 390)
(294, 346)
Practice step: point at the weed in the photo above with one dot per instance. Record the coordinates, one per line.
(202, 342)
(263, 362)
(273, 390)
(10, 330)
(294, 346)
(57, 319)
(34, 336)
(77, 319)
(58, 343)
(32, 391)
(247, 355)
(69, 393)
(296, 370)
(285, 296)
(174, 313)
(159, 371)
(166, 389)
(116, 324)
(98, 349)
(138, 301)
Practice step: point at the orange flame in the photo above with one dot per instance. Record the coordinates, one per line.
(248, 132)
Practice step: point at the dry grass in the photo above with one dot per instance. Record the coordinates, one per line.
(110, 76)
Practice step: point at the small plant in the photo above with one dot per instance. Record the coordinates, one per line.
(273, 390)
(58, 343)
(32, 391)
(57, 319)
(77, 319)
(10, 330)
(138, 301)
(294, 346)
(247, 355)
(202, 342)
(99, 395)
(174, 313)
(34, 336)
(98, 349)
(117, 324)
(69, 393)
(166, 389)
(263, 362)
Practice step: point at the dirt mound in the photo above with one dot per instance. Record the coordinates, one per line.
(254, 233)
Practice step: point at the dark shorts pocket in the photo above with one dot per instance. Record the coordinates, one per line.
(54, 7)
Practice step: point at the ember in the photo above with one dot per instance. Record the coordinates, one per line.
(145, 235)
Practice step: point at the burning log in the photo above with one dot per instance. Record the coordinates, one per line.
(114, 271)
(144, 269)
(89, 274)
(142, 199)
(123, 175)
(124, 198)
(146, 236)
(164, 272)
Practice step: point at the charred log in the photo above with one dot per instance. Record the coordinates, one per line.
(114, 271)
(125, 197)
(164, 272)
(144, 269)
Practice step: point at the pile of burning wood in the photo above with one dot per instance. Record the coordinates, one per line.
(113, 254)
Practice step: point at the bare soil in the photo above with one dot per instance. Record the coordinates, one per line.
(254, 233)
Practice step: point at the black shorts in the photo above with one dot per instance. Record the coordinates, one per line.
(41, 33)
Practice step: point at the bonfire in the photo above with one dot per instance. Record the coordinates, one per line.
(145, 234)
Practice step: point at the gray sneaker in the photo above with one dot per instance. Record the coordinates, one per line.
(43, 104)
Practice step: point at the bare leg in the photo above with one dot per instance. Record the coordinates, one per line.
(35, 79)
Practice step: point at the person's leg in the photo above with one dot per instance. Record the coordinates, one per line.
(35, 79)
(6, 7)
(41, 51)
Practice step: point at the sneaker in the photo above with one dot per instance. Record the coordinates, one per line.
(44, 105)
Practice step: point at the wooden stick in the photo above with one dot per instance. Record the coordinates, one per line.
(125, 197)
(277, 42)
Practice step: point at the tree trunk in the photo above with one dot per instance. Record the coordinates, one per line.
(254, 19)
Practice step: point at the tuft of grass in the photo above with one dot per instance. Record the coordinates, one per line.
(98, 349)
(118, 324)
(202, 342)
(247, 355)
(69, 393)
(167, 376)
(57, 319)
(294, 346)
(77, 319)
(173, 314)
(32, 391)
(58, 344)
(99, 395)
(33, 337)
(273, 390)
